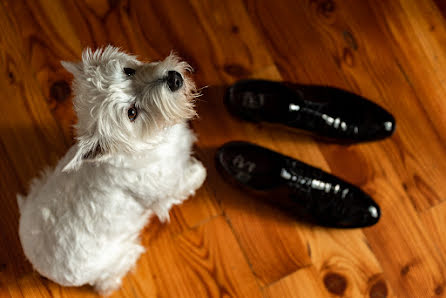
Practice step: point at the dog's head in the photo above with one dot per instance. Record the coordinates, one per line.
(123, 104)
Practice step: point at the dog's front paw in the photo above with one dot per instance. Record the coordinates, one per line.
(195, 175)
(162, 210)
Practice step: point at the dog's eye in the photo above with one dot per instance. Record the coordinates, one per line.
(129, 71)
(132, 113)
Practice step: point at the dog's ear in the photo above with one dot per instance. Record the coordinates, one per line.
(74, 67)
(84, 153)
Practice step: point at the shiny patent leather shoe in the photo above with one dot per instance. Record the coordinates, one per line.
(325, 111)
(307, 192)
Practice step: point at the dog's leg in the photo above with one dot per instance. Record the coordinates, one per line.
(162, 208)
(112, 277)
(191, 179)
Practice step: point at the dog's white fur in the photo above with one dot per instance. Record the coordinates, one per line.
(80, 222)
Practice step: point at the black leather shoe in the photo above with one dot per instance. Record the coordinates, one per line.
(307, 192)
(326, 111)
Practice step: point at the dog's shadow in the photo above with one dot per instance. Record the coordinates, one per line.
(21, 162)
(236, 201)
(24, 153)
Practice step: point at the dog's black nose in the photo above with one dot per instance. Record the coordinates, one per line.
(174, 80)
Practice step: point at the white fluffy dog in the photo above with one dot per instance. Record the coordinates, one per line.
(80, 223)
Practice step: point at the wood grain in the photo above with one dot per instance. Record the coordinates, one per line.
(224, 242)
(208, 262)
(303, 283)
(434, 220)
(347, 59)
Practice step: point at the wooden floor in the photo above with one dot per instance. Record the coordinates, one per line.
(222, 242)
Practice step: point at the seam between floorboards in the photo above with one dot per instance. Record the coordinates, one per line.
(245, 255)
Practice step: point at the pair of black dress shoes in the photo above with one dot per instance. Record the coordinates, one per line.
(308, 192)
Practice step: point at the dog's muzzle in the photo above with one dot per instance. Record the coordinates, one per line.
(174, 80)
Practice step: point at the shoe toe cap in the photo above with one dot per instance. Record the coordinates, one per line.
(381, 125)
(363, 214)
(371, 214)
(389, 126)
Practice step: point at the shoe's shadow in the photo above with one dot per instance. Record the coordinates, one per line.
(237, 203)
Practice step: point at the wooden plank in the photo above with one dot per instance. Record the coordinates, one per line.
(23, 149)
(344, 45)
(347, 267)
(30, 130)
(323, 41)
(203, 262)
(192, 213)
(268, 237)
(51, 40)
(308, 282)
(48, 67)
(408, 94)
(303, 283)
(389, 51)
(423, 22)
(12, 260)
(434, 220)
(263, 233)
(266, 225)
